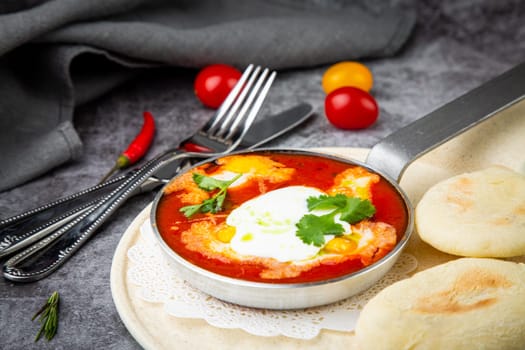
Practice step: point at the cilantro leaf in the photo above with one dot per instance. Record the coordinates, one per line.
(213, 204)
(190, 210)
(209, 206)
(208, 183)
(357, 209)
(327, 202)
(312, 228)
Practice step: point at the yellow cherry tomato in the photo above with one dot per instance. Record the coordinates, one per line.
(347, 73)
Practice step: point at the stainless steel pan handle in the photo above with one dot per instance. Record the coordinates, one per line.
(393, 154)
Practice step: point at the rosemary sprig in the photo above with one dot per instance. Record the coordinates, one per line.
(48, 317)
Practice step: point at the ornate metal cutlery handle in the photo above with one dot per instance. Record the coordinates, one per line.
(28, 227)
(44, 257)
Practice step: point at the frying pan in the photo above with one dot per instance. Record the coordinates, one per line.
(389, 158)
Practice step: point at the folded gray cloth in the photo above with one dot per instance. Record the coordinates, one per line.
(57, 54)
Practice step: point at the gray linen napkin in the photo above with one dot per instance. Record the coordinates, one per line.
(57, 54)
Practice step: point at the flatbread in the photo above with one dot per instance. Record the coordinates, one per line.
(477, 214)
(468, 303)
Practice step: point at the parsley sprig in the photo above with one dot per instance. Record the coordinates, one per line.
(213, 204)
(311, 229)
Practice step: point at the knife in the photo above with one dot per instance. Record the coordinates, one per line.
(24, 229)
(260, 133)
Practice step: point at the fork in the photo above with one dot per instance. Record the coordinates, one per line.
(225, 131)
(26, 228)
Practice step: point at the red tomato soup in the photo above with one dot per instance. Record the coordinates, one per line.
(202, 238)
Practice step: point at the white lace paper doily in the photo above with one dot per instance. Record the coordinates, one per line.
(159, 283)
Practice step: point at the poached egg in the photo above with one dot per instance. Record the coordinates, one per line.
(265, 226)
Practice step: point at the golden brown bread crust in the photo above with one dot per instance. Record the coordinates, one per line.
(478, 214)
(469, 291)
(468, 303)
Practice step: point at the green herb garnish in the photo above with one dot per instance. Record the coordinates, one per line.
(48, 317)
(312, 228)
(213, 204)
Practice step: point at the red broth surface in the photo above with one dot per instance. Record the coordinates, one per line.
(312, 171)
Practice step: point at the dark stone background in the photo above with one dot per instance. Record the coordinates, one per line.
(456, 46)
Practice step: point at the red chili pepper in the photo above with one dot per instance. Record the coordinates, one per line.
(192, 147)
(138, 147)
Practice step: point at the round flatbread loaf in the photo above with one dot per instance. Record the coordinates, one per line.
(469, 303)
(478, 214)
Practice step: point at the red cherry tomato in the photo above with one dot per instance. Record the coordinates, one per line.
(351, 108)
(213, 83)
